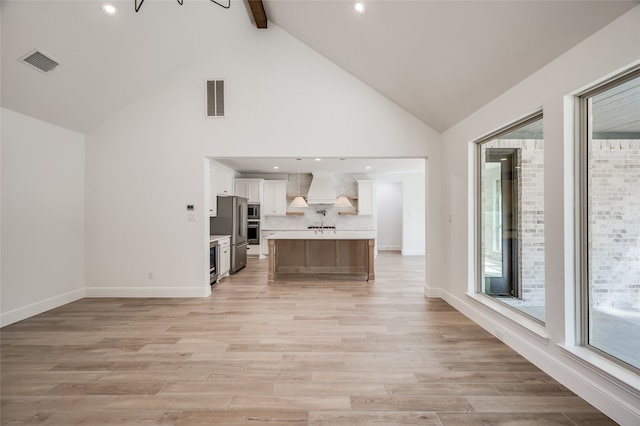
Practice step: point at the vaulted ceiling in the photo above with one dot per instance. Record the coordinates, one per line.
(439, 60)
(442, 60)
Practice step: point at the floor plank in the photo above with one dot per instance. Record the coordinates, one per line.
(295, 353)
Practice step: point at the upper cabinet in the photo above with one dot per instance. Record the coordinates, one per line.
(250, 189)
(365, 197)
(275, 198)
(220, 183)
(224, 181)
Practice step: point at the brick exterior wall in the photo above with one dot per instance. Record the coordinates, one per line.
(614, 223)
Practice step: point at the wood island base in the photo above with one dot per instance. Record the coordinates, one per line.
(326, 259)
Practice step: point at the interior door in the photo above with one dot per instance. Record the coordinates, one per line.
(501, 221)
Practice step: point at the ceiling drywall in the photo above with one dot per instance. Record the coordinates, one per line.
(105, 62)
(439, 60)
(442, 60)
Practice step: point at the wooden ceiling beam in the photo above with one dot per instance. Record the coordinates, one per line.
(259, 15)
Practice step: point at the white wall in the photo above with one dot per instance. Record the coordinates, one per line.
(417, 238)
(145, 163)
(42, 217)
(389, 210)
(606, 52)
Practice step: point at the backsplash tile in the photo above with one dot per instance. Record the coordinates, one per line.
(313, 216)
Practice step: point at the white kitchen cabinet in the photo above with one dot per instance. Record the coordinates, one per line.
(224, 181)
(254, 250)
(274, 198)
(365, 197)
(220, 183)
(250, 189)
(224, 245)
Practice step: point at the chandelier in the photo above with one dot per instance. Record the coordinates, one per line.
(138, 5)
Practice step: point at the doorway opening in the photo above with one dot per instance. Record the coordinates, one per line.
(389, 203)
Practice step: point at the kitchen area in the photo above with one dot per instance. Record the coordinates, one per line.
(253, 210)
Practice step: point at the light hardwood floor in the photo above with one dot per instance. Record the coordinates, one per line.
(316, 353)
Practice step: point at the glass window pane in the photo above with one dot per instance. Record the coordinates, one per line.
(512, 218)
(613, 209)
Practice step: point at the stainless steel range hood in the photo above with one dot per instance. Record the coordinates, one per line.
(322, 189)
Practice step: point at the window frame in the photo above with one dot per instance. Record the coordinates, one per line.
(581, 210)
(534, 116)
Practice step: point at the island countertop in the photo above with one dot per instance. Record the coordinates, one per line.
(342, 255)
(327, 234)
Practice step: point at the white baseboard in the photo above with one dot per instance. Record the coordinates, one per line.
(389, 248)
(413, 252)
(552, 360)
(36, 308)
(435, 292)
(147, 291)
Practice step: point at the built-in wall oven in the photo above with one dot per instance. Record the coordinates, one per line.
(253, 231)
(214, 262)
(253, 211)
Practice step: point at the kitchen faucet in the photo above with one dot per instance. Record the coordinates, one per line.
(324, 213)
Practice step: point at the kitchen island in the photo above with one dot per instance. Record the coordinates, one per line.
(321, 255)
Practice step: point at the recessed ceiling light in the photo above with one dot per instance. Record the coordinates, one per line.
(276, 167)
(368, 167)
(318, 159)
(360, 7)
(109, 8)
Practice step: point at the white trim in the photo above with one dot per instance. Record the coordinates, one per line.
(571, 210)
(413, 252)
(432, 292)
(532, 327)
(389, 248)
(36, 308)
(147, 292)
(612, 372)
(486, 320)
(514, 319)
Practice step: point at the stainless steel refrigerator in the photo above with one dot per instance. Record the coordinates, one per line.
(232, 220)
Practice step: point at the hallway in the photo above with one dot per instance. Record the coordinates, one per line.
(317, 353)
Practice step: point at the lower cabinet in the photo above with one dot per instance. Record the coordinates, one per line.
(225, 257)
(254, 250)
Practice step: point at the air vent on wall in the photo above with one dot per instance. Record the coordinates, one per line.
(215, 98)
(39, 61)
